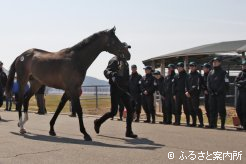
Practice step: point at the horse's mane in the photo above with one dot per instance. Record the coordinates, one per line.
(86, 41)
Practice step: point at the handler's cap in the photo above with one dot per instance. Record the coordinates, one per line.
(157, 72)
(134, 66)
(206, 65)
(148, 67)
(192, 64)
(219, 59)
(180, 64)
(171, 66)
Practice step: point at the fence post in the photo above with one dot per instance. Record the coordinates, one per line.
(96, 97)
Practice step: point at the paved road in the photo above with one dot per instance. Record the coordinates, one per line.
(152, 146)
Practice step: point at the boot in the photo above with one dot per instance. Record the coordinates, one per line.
(148, 118)
(72, 115)
(130, 134)
(187, 120)
(138, 117)
(193, 121)
(153, 118)
(169, 121)
(97, 125)
(222, 123)
(177, 120)
(200, 117)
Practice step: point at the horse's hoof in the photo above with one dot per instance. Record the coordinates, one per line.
(52, 133)
(22, 131)
(87, 137)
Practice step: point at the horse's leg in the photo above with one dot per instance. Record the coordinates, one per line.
(35, 85)
(19, 105)
(62, 103)
(77, 106)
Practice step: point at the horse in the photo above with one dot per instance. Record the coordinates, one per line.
(65, 69)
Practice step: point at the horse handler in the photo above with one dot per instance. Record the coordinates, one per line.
(117, 72)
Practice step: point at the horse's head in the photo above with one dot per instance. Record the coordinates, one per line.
(116, 47)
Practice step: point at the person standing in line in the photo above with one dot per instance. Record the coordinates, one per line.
(3, 81)
(147, 90)
(159, 84)
(192, 91)
(206, 69)
(218, 83)
(168, 95)
(135, 91)
(240, 82)
(178, 89)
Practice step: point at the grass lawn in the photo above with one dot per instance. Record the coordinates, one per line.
(89, 107)
(88, 104)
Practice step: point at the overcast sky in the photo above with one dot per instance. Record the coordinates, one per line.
(152, 28)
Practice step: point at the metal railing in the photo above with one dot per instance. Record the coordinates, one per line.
(231, 97)
(92, 96)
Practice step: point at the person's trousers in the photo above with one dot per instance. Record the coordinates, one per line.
(217, 105)
(195, 111)
(181, 100)
(148, 106)
(241, 108)
(118, 95)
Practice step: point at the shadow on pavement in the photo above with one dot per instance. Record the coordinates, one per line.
(3, 120)
(138, 141)
(141, 143)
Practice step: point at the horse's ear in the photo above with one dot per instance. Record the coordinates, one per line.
(113, 30)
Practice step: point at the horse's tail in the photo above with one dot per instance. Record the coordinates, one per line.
(10, 80)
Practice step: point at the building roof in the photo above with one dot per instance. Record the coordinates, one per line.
(228, 50)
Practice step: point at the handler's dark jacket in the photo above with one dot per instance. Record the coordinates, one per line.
(240, 81)
(179, 83)
(218, 82)
(120, 70)
(168, 83)
(134, 84)
(147, 83)
(194, 83)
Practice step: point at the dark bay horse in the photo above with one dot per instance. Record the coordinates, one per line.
(65, 69)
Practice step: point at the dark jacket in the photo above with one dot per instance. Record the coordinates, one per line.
(159, 85)
(218, 82)
(240, 81)
(179, 83)
(205, 81)
(118, 69)
(168, 82)
(3, 79)
(134, 84)
(194, 83)
(147, 84)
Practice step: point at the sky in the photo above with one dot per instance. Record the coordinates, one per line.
(152, 28)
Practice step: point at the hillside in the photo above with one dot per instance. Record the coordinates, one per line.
(89, 81)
